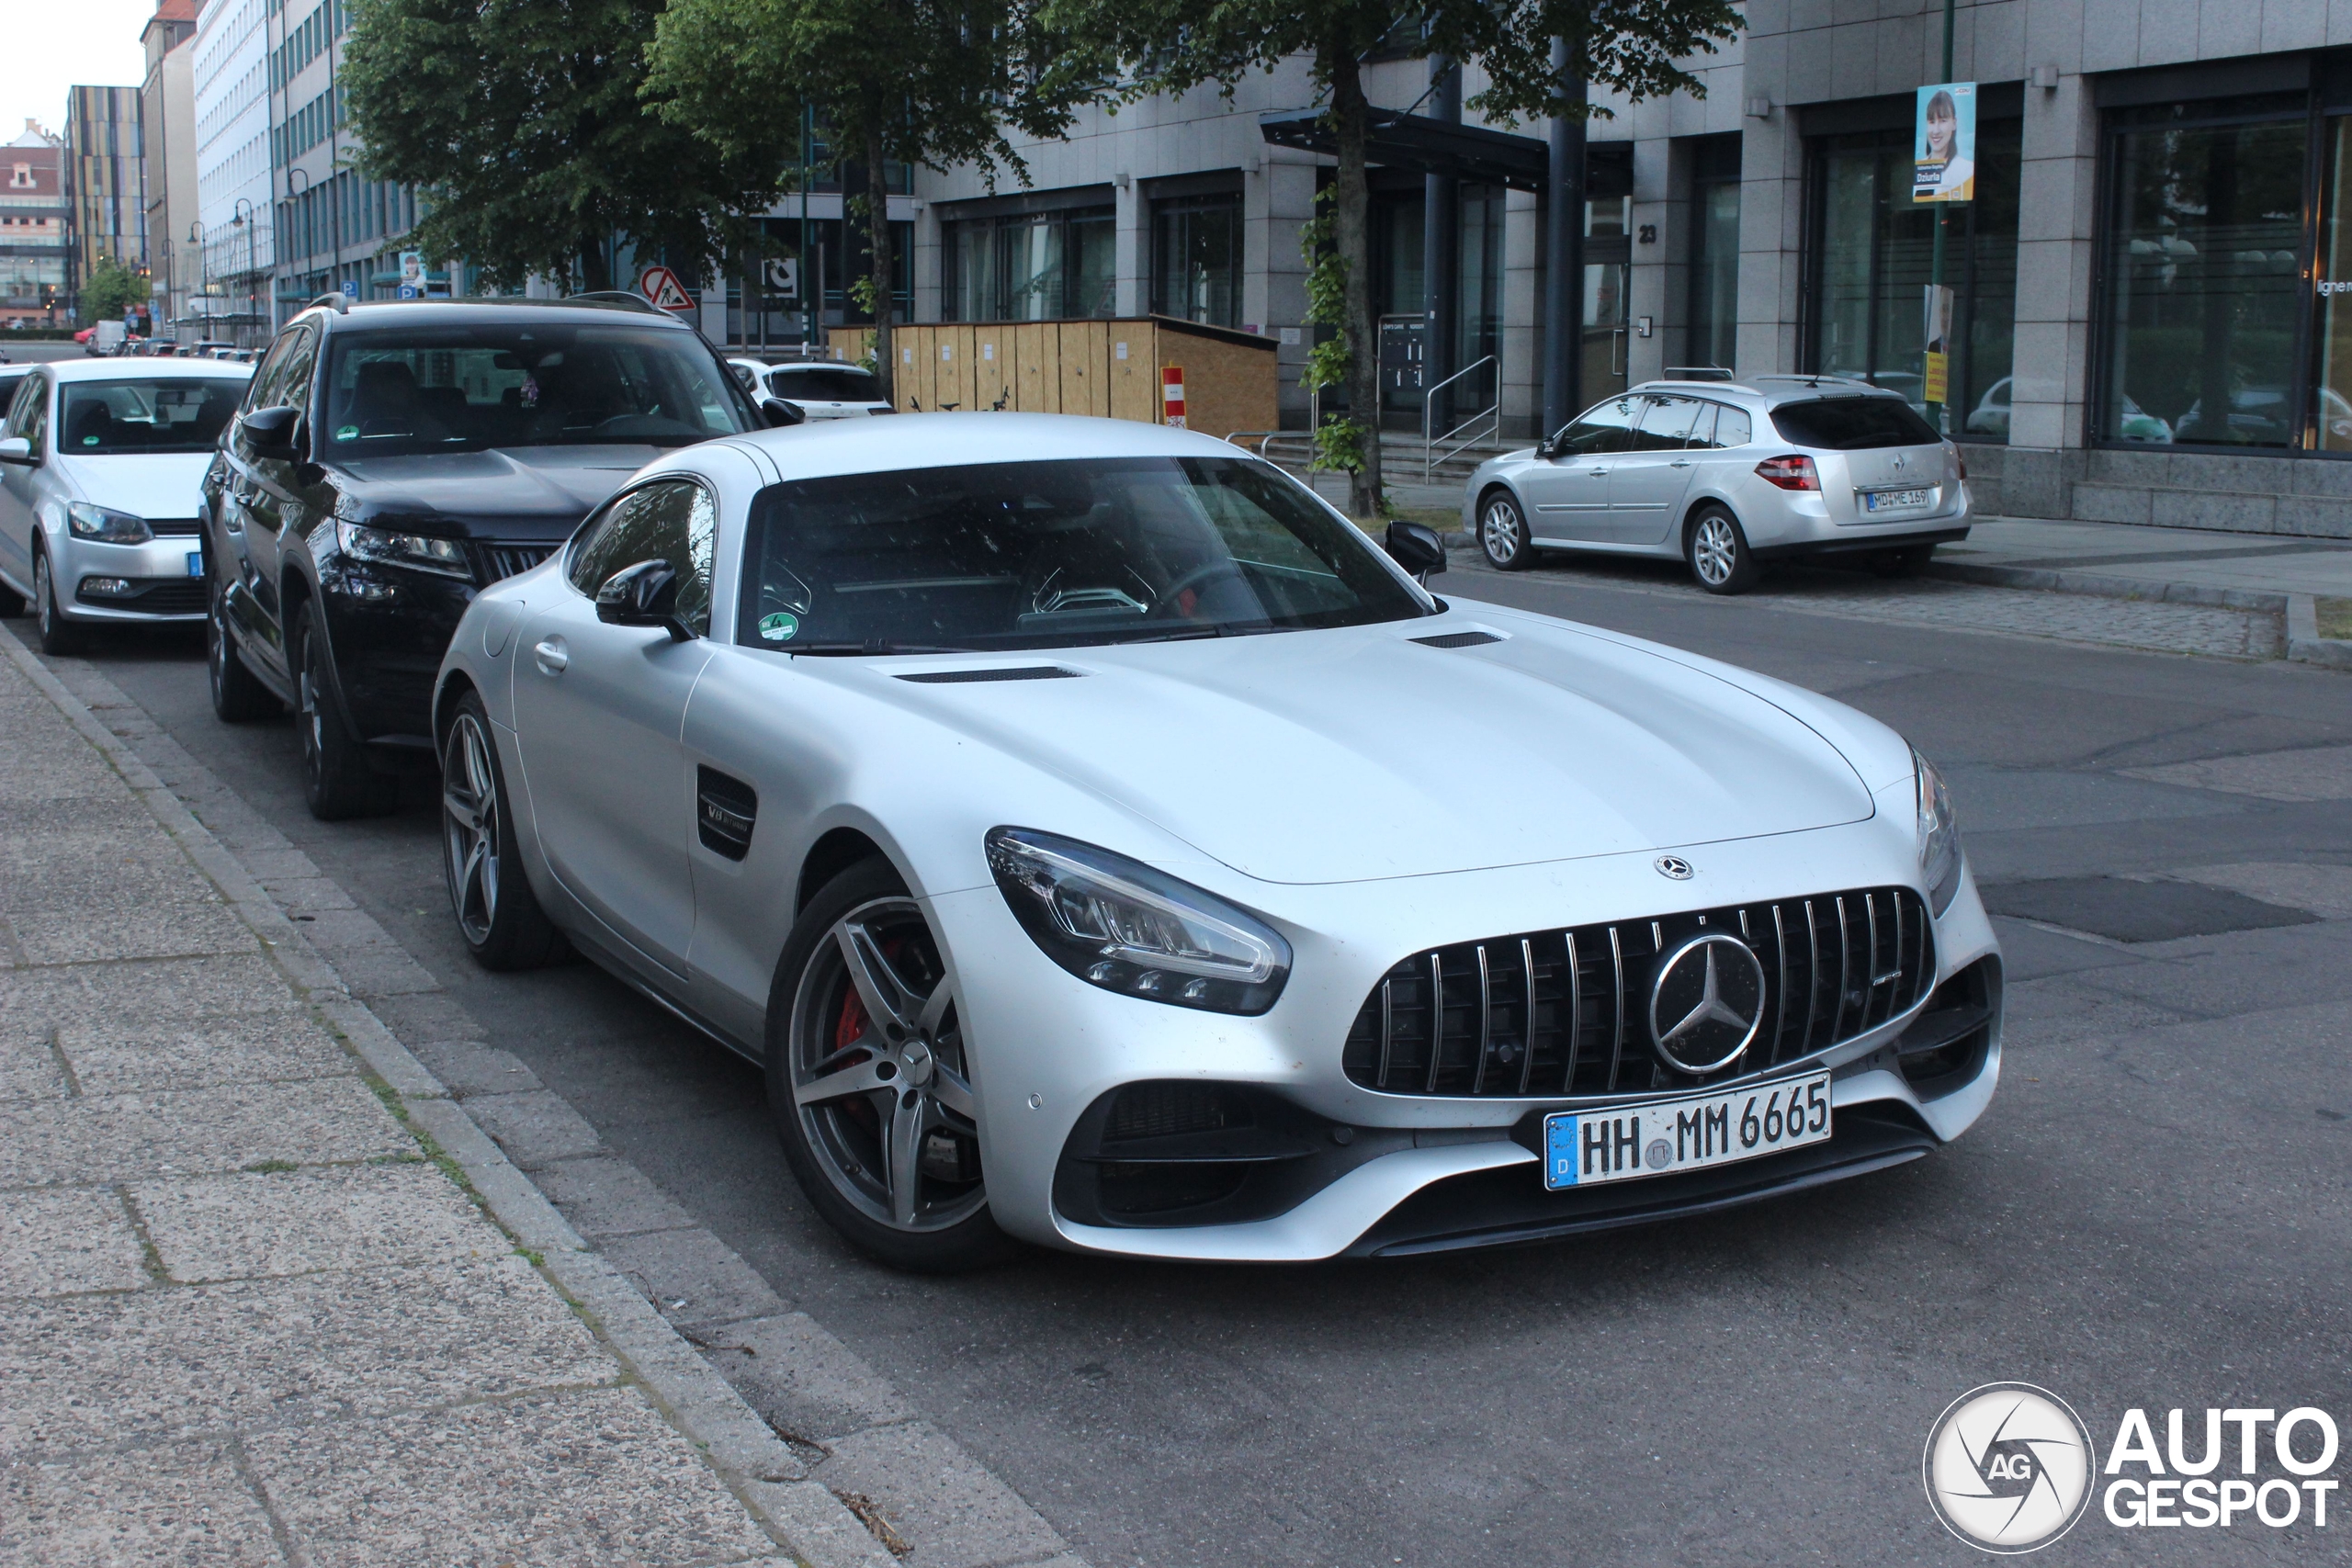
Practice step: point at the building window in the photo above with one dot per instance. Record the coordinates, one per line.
(1040, 266)
(1875, 256)
(2202, 275)
(1714, 253)
(1196, 259)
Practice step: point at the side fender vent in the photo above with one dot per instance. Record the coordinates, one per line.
(967, 677)
(725, 809)
(1456, 639)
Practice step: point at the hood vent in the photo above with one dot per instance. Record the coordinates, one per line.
(1455, 639)
(965, 677)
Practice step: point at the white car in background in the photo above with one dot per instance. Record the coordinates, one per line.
(820, 389)
(100, 465)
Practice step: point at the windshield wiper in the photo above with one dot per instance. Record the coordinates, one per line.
(871, 646)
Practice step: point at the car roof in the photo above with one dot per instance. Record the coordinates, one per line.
(819, 364)
(1772, 391)
(828, 447)
(139, 370)
(370, 315)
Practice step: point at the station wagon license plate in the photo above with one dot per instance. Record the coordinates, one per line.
(196, 563)
(1892, 499)
(1689, 1133)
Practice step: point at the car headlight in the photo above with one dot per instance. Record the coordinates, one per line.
(105, 524)
(421, 551)
(1119, 924)
(1940, 857)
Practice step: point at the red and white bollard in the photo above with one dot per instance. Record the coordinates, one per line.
(1171, 395)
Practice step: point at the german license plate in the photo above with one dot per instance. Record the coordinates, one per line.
(1892, 499)
(1660, 1137)
(196, 563)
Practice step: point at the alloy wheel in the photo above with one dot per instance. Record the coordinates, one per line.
(44, 597)
(469, 824)
(1498, 533)
(1715, 550)
(880, 1080)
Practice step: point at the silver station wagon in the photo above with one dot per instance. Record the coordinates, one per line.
(1729, 475)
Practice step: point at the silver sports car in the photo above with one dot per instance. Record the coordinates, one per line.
(1101, 843)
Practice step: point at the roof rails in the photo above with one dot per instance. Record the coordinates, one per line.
(338, 301)
(1702, 384)
(621, 297)
(1819, 380)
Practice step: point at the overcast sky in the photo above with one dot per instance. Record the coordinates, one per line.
(47, 46)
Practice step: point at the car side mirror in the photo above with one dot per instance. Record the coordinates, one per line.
(1416, 548)
(16, 449)
(782, 413)
(273, 434)
(645, 595)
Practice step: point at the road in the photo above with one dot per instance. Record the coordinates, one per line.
(2152, 1213)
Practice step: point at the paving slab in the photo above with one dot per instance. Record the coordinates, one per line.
(68, 1242)
(569, 1481)
(43, 1142)
(954, 1513)
(82, 935)
(201, 1053)
(692, 1275)
(183, 1504)
(603, 1197)
(280, 1223)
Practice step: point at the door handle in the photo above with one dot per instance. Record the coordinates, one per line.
(1597, 473)
(1679, 463)
(551, 656)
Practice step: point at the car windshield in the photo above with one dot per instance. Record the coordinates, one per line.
(1051, 554)
(824, 385)
(151, 413)
(524, 384)
(1853, 425)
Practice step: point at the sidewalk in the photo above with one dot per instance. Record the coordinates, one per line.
(267, 1294)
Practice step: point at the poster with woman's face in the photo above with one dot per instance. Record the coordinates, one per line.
(1944, 166)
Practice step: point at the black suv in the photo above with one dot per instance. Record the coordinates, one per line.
(390, 459)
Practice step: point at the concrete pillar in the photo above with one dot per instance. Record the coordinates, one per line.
(1648, 292)
(1771, 240)
(1290, 202)
(2057, 197)
(1522, 328)
(1131, 249)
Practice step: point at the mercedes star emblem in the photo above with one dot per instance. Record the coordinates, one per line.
(1706, 1003)
(1674, 866)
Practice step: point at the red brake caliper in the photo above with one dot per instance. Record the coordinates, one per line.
(852, 1026)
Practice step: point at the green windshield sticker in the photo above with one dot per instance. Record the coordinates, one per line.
(347, 432)
(778, 628)
(90, 441)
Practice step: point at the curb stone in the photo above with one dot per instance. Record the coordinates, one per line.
(754, 1463)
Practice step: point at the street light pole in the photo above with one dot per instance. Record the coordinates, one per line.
(203, 272)
(294, 195)
(243, 215)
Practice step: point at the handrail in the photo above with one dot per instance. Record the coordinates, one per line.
(1429, 406)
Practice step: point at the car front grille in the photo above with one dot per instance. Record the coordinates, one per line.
(153, 596)
(500, 561)
(1565, 1012)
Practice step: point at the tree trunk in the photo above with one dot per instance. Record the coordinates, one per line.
(1351, 232)
(878, 229)
(593, 266)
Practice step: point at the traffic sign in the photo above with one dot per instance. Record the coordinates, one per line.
(660, 285)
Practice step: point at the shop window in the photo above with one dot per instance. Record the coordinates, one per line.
(1875, 256)
(1714, 253)
(2203, 278)
(1196, 259)
(1036, 267)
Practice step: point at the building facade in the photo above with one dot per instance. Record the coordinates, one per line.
(167, 131)
(32, 230)
(236, 203)
(2151, 290)
(335, 229)
(106, 181)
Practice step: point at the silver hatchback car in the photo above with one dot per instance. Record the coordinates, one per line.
(1729, 475)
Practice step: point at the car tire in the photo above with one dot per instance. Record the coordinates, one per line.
(1503, 536)
(1715, 547)
(498, 914)
(909, 1194)
(59, 638)
(338, 781)
(238, 695)
(1908, 561)
(12, 603)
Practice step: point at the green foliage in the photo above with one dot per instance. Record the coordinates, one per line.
(522, 122)
(108, 289)
(1338, 443)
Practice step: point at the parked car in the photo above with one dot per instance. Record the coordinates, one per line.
(394, 459)
(1991, 414)
(1728, 476)
(99, 463)
(1125, 986)
(825, 389)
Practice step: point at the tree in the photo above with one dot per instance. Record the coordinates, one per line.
(111, 289)
(1632, 46)
(520, 123)
(931, 82)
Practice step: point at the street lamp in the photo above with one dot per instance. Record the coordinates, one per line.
(203, 280)
(242, 216)
(294, 193)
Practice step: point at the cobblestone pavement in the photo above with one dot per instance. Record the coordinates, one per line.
(244, 1318)
(1948, 606)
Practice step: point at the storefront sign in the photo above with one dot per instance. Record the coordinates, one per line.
(1944, 139)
